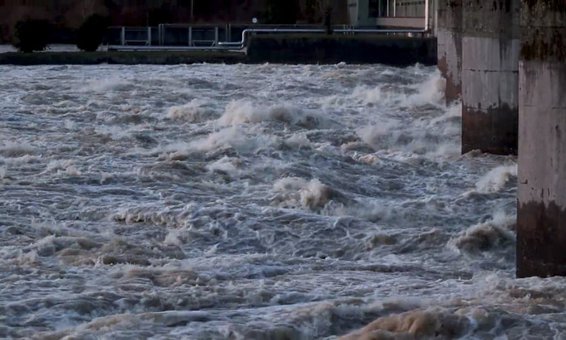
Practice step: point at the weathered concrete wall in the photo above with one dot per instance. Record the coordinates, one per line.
(389, 50)
(490, 61)
(450, 46)
(541, 225)
(398, 51)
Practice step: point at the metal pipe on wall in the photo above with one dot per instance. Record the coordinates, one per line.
(242, 44)
(245, 32)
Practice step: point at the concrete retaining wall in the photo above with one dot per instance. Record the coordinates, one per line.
(392, 50)
(397, 51)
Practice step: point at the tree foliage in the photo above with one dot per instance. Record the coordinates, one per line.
(91, 33)
(31, 35)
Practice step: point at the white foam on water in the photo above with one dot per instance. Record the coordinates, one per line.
(431, 91)
(298, 141)
(63, 166)
(430, 136)
(383, 135)
(114, 132)
(293, 192)
(69, 124)
(28, 259)
(25, 159)
(426, 139)
(231, 137)
(12, 149)
(239, 112)
(110, 84)
(428, 92)
(483, 237)
(175, 237)
(369, 159)
(496, 179)
(229, 165)
(195, 111)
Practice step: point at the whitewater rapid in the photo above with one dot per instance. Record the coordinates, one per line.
(254, 202)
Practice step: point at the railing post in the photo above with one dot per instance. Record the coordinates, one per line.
(123, 36)
(149, 36)
(190, 35)
(216, 36)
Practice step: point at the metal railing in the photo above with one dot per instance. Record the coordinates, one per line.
(135, 36)
(197, 35)
(207, 37)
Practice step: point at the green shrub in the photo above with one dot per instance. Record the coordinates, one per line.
(31, 35)
(91, 33)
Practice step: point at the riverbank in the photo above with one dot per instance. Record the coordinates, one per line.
(283, 49)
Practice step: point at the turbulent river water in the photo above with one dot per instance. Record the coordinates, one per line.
(254, 202)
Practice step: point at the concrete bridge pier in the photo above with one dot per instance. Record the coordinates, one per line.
(541, 224)
(449, 37)
(490, 57)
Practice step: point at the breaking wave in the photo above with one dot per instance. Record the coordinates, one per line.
(244, 111)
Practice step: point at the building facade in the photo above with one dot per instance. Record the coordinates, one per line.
(408, 13)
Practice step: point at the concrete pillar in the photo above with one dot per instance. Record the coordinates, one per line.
(449, 35)
(490, 62)
(541, 224)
